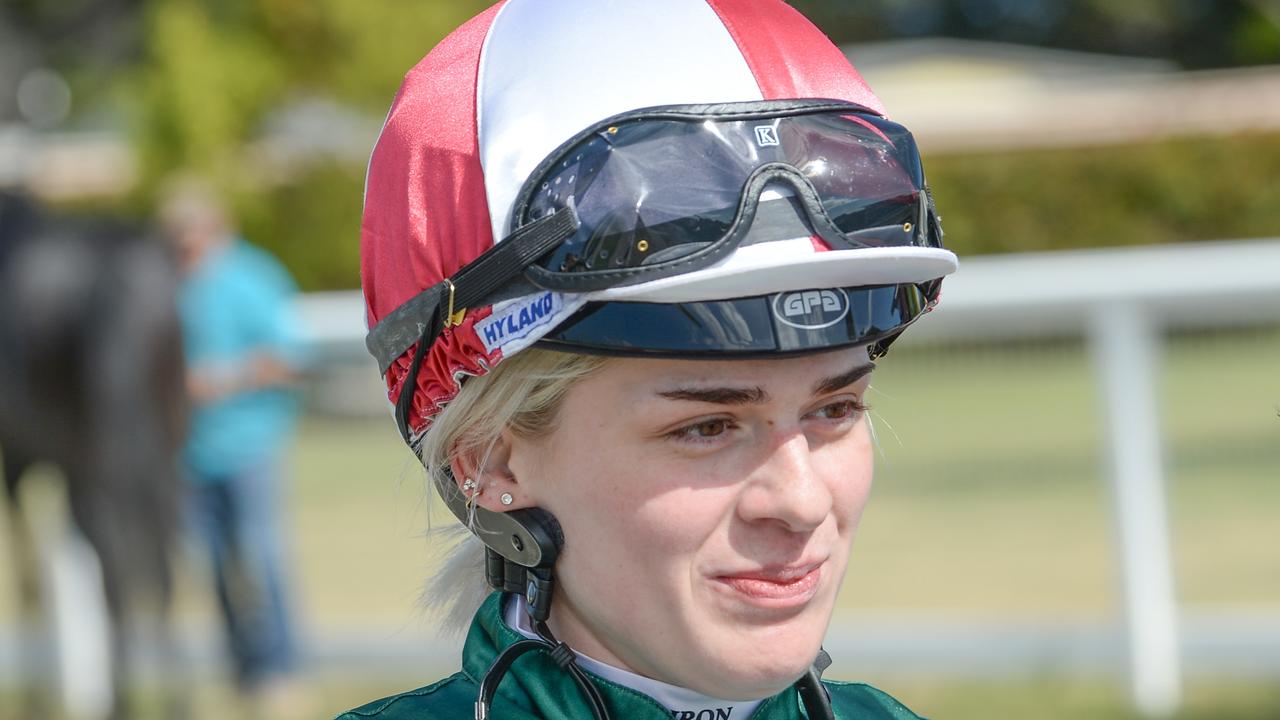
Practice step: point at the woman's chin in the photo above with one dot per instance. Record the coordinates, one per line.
(757, 662)
(767, 642)
(754, 680)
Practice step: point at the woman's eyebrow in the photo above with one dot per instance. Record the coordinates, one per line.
(719, 395)
(845, 379)
(757, 395)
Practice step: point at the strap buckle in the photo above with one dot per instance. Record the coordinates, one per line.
(452, 318)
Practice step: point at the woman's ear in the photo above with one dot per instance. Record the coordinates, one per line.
(484, 475)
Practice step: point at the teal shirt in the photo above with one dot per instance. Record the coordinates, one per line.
(535, 688)
(234, 304)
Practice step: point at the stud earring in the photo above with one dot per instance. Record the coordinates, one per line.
(470, 490)
(507, 499)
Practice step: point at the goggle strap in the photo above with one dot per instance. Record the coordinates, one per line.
(404, 401)
(423, 317)
(504, 261)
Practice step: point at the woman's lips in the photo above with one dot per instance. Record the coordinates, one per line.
(775, 587)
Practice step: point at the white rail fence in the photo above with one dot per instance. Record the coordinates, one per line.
(1122, 301)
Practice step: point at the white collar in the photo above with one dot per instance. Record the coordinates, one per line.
(684, 704)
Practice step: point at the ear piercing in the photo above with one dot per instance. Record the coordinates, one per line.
(469, 489)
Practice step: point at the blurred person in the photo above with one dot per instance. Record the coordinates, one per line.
(243, 362)
(627, 267)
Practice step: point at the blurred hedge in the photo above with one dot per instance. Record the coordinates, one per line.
(312, 224)
(1199, 188)
(1204, 188)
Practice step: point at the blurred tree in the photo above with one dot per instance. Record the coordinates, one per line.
(207, 83)
(1195, 33)
(213, 71)
(195, 81)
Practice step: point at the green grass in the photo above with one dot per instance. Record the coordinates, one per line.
(1075, 699)
(992, 500)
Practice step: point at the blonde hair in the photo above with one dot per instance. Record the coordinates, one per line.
(523, 394)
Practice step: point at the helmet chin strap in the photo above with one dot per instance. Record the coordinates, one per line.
(521, 547)
(537, 585)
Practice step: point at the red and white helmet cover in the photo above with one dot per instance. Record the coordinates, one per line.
(495, 97)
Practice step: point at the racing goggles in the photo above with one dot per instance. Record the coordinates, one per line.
(668, 190)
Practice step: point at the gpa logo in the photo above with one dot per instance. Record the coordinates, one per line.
(766, 135)
(811, 309)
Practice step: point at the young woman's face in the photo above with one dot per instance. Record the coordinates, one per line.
(708, 509)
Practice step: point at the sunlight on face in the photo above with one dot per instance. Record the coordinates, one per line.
(708, 509)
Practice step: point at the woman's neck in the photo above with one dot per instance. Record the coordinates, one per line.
(684, 704)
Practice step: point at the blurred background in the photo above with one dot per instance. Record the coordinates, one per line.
(1080, 451)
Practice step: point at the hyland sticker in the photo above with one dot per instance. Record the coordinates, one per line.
(515, 319)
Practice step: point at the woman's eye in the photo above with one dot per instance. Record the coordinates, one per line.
(710, 428)
(842, 410)
(705, 430)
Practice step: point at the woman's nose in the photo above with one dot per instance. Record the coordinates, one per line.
(787, 487)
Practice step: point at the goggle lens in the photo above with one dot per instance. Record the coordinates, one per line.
(652, 189)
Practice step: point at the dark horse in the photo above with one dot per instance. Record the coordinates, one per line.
(91, 380)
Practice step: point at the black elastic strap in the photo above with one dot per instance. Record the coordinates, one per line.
(560, 654)
(404, 326)
(507, 259)
(563, 656)
(404, 401)
(563, 652)
(498, 670)
(421, 318)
